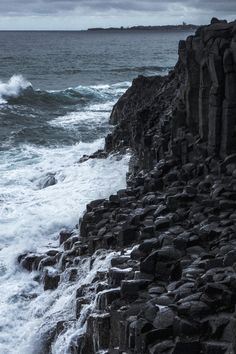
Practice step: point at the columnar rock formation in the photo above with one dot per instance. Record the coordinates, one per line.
(211, 90)
(171, 286)
(198, 97)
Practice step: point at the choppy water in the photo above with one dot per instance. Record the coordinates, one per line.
(56, 93)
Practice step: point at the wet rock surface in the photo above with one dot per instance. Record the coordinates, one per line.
(171, 284)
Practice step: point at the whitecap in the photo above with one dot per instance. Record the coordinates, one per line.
(13, 87)
(95, 114)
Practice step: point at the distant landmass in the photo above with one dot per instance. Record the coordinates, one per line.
(182, 27)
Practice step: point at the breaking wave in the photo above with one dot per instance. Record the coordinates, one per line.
(55, 117)
(17, 90)
(13, 87)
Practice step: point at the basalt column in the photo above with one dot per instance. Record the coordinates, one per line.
(192, 86)
(204, 94)
(228, 143)
(216, 100)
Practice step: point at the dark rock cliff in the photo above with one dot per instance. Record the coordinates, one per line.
(196, 99)
(171, 286)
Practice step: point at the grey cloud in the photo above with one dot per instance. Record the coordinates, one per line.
(48, 7)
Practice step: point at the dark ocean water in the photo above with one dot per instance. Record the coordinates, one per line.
(57, 60)
(57, 90)
(68, 71)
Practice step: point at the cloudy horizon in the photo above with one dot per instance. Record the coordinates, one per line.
(83, 14)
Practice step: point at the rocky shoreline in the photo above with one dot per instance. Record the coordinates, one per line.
(169, 239)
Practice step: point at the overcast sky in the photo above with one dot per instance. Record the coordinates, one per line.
(81, 14)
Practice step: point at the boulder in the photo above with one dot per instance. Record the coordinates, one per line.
(50, 281)
(131, 288)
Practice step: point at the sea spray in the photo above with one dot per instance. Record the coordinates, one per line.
(12, 87)
(88, 280)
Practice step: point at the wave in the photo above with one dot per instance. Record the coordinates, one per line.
(95, 115)
(13, 87)
(142, 69)
(19, 91)
(60, 117)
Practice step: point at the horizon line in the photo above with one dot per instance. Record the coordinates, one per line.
(120, 28)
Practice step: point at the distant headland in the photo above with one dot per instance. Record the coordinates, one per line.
(183, 27)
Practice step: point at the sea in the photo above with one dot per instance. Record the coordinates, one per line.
(57, 90)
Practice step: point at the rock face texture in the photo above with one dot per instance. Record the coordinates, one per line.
(171, 284)
(195, 101)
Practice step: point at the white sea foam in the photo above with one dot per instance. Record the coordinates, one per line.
(95, 114)
(108, 92)
(99, 91)
(31, 218)
(12, 87)
(118, 87)
(102, 262)
(26, 210)
(51, 307)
